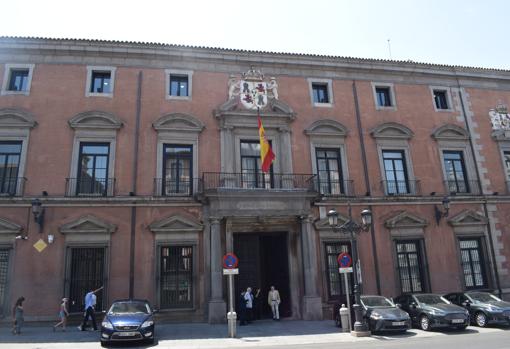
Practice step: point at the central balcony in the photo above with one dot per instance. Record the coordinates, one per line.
(258, 181)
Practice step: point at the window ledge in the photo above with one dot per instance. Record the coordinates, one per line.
(323, 105)
(18, 93)
(96, 94)
(178, 98)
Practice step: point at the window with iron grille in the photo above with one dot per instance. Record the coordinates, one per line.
(410, 266)
(320, 93)
(178, 85)
(336, 282)
(329, 171)
(18, 80)
(93, 169)
(176, 277)
(455, 172)
(4, 267)
(441, 99)
(471, 258)
(395, 171)
(177, 169)
(10, 155)
(251, 167)
(101, 82)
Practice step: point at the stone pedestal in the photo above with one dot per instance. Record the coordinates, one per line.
(217, 312)
(312, 308)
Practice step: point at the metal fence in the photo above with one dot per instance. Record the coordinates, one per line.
(258, 180)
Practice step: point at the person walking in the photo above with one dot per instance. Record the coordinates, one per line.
(90, 304)
(17, 316)
(248, 297)
(273, 299)
(63, 314)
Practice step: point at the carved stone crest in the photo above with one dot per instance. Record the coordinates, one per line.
(500, 118)
(252, 89)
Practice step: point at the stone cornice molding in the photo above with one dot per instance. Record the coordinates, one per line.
(326, 128)
(178, 122)
(404, 219)
(88, 224)
(96, 120)
(449, 132)
(9, 227)
(468, 218)
(391, 130)
(16, 118)
(176, 224)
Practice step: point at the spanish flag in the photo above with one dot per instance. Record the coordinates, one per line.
(266, 153)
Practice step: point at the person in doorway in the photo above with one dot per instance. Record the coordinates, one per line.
(63, 314)
(248, 297)
(242, 310)
(256, 305)
(273, 299)
(17, 316)
(90, 304)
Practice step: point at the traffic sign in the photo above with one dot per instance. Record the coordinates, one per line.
(344, 260)
(230, 261)
(345, 270)
(230, 271)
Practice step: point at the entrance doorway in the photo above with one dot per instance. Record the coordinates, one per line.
(263, 262)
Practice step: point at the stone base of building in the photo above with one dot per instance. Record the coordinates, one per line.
(217, 312)
(360, 333)
(312, 308)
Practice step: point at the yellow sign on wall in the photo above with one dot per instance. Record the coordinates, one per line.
(40, 245)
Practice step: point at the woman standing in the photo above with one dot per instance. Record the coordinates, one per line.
(63, 314)
(17, 316)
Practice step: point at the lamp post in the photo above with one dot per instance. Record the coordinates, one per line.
(38, 212)
(353, 229)
(446, 207)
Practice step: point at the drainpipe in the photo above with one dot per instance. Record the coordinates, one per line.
(367, 183)
(480, 188)
(133, 189)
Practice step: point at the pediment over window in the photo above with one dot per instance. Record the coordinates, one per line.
(468, 218)
(450, 132)
(88, 225)
(8, 227)
(16, 118)
(392, 130)
(176, 224)
(323, 224)
(178, 122)
(404, 219)
(95, 120)
(327, 128)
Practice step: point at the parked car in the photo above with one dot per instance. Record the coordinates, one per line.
(383, 315)
(128, 320)
(484, 308)
(429, 311)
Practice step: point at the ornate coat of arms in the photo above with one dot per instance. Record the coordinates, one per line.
(252, 90)
(500, 119)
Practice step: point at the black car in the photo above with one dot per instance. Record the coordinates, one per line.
(429, 311)
(383, 315)
(484, 308)
(128, 320)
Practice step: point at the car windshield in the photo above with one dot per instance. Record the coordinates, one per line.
(482, 297)
(129, 308)
(376, 302)
(431, 299)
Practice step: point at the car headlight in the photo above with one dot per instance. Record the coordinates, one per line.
(376, 316)
(107, 324)
(147, 323)
(437, 312)
(494, 309)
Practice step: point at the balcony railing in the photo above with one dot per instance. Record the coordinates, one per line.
(12, 186)
(461, 187)
(401, 188)
(90, 187)
(176, 187)
(335, 188)
(253, 180)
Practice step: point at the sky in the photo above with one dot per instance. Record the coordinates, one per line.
(456, 32)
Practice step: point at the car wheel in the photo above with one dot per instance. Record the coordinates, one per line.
(480, 319)
(338, 323)
(104, 344)
(424, 323)
(150, 341)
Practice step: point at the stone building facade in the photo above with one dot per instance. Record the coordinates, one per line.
(143, 158)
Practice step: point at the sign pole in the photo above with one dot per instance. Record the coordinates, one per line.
(231, 316)
(348, 296)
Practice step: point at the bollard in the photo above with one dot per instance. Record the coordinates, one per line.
(231, 319)
(344, 318)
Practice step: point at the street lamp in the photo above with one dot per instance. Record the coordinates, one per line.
(446, 206)
(352, 228)
(38, 212)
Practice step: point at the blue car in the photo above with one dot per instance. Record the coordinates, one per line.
(128, 320)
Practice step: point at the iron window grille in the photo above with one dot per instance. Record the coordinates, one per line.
(410, 266)
(472, 261)
(176, 277)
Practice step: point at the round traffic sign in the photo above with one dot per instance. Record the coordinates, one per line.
(344, 260)
(230, 261)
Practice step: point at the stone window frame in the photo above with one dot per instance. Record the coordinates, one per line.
(393, 97)
(504, 147)
(93, 68)
(449, 100)
(329, 84)
(8, 68)
(468, 164)
(189, 74)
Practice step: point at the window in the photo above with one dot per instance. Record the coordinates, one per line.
(4, 268)
(329, 171)
(176, 277)
(395, 171)
(178, 85)
(177, 170)
(251, 171)
(17, 79)
(383, 95)
(441, 99)
(336, 283)
(455, 172)
(506, 156)
(472, 263)
(101, 82)
(320, 93)
(409, 266)
(93, 169)
(10, 155)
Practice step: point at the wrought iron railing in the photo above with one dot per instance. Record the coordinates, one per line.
(176, 187)
(463, 187)
(90, 187)
(258, 180)
(401, 188)
(335, 188)
(12, 186)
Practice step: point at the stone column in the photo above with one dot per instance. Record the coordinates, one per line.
(217, 305)
(285, 150)
(312, 302)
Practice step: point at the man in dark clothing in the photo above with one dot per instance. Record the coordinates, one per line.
(242, 310)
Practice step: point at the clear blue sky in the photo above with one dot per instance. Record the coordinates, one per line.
(461, 32)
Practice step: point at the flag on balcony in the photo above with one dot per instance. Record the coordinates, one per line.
(266, 153)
